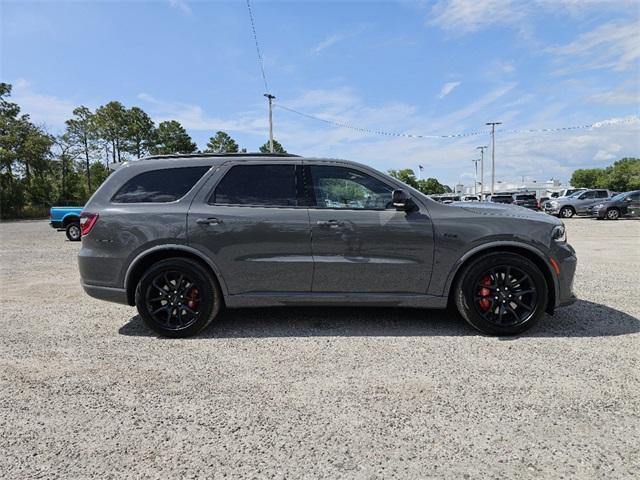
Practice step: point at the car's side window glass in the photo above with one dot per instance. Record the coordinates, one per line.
(587, 195)
(635, 197)
(345, 188)
(602, 194)
(257, 185)
(159, 186)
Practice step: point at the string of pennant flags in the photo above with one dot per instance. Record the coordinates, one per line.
(604, 123)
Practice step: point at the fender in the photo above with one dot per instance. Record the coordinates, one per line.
(496, 244)
(184, 248)
(69, 216)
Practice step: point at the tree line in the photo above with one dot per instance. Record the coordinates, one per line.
(429, 186)
(622, 176)
(38, 169)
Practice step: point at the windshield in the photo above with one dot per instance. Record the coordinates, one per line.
(620, 196)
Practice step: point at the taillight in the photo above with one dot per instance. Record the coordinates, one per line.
(87, 221)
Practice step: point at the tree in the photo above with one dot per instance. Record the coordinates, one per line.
(624, 175)
(24, 159)
(140, 133)
(171, 138)
(589, 178)
(81, 134)
(432, 186)
(277, 148)
(221, 143)
(111, 125)
(406, 175)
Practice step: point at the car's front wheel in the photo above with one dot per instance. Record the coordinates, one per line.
(178, 297)
(613, 214)
(567, 212)
(501, 293)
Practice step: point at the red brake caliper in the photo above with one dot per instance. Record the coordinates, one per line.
(192, 298)
(484, 303)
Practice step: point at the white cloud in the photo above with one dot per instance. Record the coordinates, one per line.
(328, 42)
(181, 5)
(43, 109)
(614, 45)
(468, 16)
(447, 88)
(193, 117)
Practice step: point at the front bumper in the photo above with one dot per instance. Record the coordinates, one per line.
(565, 257)
(551, 209)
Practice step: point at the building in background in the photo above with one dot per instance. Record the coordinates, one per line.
(541, 189)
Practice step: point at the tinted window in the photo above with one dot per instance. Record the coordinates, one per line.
(340, 187)
(602, 194)
(159, 186)
(271, 185)
(525, 197)
(587, 195)
(634, 197)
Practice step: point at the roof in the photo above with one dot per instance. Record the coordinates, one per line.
(200, 155)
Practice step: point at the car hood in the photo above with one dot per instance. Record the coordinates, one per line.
(506, 210)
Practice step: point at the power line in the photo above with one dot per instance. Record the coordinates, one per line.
(377, 132)
(255, 38)
(453, 135)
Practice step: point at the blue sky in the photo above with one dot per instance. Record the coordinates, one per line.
(430, 67)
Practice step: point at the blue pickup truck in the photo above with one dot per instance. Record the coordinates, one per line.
(67, 219)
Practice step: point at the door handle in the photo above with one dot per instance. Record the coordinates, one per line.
(209, 221)
(329, 223)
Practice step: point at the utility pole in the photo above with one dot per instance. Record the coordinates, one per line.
(482, 149)
(271, 99)
(493, 154)
(475, 183)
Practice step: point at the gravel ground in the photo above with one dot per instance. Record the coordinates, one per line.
(87, 391)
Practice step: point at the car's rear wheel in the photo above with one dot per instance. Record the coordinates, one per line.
(567, 212)
(613, 214)
(178, 297)
(73, 232)
(501, 293)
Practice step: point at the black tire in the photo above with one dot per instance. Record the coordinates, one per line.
(612, 214)
(494, 313)
(187, 310)
(567, 212)
(73, 232)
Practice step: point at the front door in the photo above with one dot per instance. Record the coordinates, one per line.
(360, 242)
(254, 228)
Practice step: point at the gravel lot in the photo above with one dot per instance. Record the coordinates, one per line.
(87, 391)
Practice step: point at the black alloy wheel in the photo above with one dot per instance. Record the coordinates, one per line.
(501, 293)
(178, 297)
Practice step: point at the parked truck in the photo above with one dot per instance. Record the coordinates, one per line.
(67, 219)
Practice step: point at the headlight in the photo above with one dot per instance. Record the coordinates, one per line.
(553, 203)
(599, 206)
(559, 234)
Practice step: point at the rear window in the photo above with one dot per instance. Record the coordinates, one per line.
(525, 197)
(159, 186)
(257, 185)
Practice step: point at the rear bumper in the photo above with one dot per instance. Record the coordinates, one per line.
(109, 294)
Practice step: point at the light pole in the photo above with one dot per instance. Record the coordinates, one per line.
(482, 149)
(493, 154)
(271, 98)
(475, 182)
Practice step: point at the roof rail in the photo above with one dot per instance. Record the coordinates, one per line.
(243, 154)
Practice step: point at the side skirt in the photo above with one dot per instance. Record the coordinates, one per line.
(264, 299)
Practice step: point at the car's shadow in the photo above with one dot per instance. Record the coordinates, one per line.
(582, 319)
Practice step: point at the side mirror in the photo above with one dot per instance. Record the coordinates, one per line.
(628, 199)
(401, 200)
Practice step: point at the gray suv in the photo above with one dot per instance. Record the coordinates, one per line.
(577, 203)
(182, 237)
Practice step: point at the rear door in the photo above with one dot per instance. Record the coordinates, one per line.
(360, 242)
(633, 205)
(250, 220)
